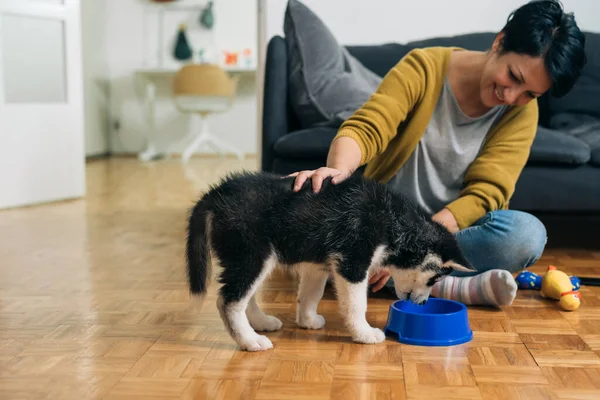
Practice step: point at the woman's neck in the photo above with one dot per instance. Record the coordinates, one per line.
(464, 75)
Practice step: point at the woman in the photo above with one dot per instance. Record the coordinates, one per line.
(452, 129)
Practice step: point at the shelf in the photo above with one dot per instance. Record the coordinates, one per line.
(172, 70)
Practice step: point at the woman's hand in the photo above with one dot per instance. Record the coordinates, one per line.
(381, 278)
(318, 175)
(343, 159)
(446, 218)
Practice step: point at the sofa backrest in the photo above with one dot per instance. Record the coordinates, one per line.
(584, 98)
(585, 95)
(381, 58)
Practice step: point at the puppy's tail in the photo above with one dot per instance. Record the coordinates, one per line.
(197, 250)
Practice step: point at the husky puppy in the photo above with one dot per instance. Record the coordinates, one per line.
(252, 222)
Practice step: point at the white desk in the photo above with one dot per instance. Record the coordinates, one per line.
(149, 76)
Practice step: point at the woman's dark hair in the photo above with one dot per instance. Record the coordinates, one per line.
(541, 28)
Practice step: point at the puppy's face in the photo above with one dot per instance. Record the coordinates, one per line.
(415, 284)
(427, 261)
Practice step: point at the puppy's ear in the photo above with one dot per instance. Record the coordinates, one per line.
(467, 267)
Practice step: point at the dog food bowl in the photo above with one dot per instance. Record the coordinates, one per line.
(438, 322)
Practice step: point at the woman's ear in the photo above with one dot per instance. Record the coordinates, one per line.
(497, 45)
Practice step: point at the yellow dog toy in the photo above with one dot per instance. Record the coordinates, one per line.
(557, 285)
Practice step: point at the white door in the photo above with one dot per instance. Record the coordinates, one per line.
(42, 152)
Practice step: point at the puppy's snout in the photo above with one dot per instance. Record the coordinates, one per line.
(420, 300)
(403, 295)
(408, 295)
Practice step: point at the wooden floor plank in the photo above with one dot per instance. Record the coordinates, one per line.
(94, 305)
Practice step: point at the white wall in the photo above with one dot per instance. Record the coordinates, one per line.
(131, 37)
(95, 75)
(352, 22)
(378, 21)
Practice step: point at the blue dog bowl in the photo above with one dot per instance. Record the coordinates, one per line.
(438, 322)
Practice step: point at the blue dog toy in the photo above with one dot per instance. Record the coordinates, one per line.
(529, 280)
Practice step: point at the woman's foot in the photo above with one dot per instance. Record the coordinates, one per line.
(495, 287)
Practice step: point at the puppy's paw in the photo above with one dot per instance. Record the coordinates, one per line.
(255, 343)
(370, 336)
(314, 321)
(268, 323)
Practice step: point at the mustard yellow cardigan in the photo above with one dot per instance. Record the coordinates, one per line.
(391, 123)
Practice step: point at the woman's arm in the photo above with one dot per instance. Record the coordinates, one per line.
(376, 123)
(344, 155)
(369, 130)
(491, 179)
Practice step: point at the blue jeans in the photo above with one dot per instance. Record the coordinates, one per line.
(503, 239)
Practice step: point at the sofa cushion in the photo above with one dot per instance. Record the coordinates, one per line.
(557, 188)
(584, 127)
(595, 158)
(326, 83)
(306, 143)
(556, 147)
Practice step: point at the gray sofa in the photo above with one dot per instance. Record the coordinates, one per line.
(312, 83)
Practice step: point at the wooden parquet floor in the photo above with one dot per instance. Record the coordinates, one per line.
(94, 305)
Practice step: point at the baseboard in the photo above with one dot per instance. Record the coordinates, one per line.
(100, 156)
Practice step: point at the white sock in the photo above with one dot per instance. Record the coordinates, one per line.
(495, 287)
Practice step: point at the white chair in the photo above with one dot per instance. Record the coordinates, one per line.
(201, 90)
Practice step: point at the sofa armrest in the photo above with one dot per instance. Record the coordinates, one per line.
(277, 117)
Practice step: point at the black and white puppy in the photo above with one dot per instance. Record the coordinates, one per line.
(252, 222)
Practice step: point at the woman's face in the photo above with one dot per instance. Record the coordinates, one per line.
(512, 79)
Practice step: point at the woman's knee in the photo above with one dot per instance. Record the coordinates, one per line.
(525, 237)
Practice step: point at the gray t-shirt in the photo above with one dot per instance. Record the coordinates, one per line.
(434, 174)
